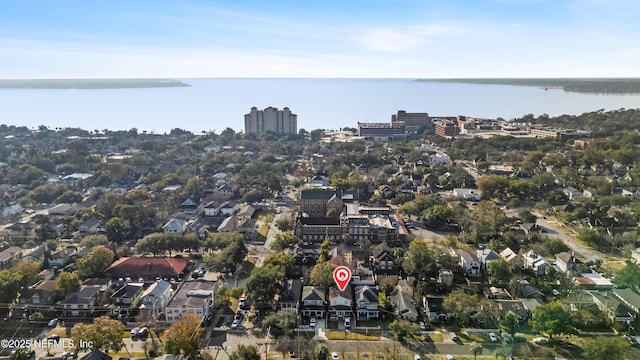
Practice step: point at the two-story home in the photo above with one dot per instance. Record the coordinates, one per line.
(62, 257)
(193, 296)
(367, 306)
(81, 303)
(35, 254)
(125, 300)
(8, 255)
(190, 206)
(340, 302)
(33, 298)
(313, 301)
(175, 226)
(289, 299)
(403, 303)
(535, 262)
(469, 263)
(486, 256)
(383, 260)
(91, 226)
(155, 298)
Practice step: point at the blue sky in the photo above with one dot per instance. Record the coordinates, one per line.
(324, 38)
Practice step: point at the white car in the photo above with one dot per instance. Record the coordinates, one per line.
(453, 335)
(541, 341)
(417, 357)
(312, 322)
(450, 357)
(234, 324)
(334, 356)
(423, 327)
(493, 337)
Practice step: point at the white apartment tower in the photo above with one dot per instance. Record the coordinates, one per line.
(270, 119)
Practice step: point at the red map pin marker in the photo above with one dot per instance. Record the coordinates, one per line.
(342, 276)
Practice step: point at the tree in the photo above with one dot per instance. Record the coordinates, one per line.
(103, 334)
(20, 354)
(552, 318)
(264, 283)
(629, 276)
(245, 352)
(499, 271)
(10, 282)
(476, 348)
(461, 305)
(605, 348)
(492, 186)
(322, 274)
(321, 351)
(281, 323)
(67, 283)
(94, 239)
(29, 271)
(283, 241)
(403, 330)
(509, 322)
(96, 261)
(284, 261)
(183, 336)
(323, 251)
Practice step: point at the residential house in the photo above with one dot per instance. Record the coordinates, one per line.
(190, 206)
(147, 269)
(8, 255)
(224, 191)
(530, 228)
(340, 302)
(514, 306)
(33, 298)
(155, 297)
(635, 255)
(434, 307)
(62, 257)
(469, 263)
(9, 207)
(289, 299)
(246, 213)
(211, 209)
(228, 224)
(508, 255)
(528, 291)
(320, 180)
(467, 194)
(571, 192)
(593, 281)
(91, 226)
(46, 274)
(367, 306)
(125, 300)
(403, 303)
(313, 301)
(227, 208)
(35, 254)
(535, 263)
(81, 303)
(445, 277)
(383, 260)
(193, 296)
(567, 263)
(486, 256)
(175, 226)
(613, 306)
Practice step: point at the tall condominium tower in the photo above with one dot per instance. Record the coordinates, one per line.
(270, 119)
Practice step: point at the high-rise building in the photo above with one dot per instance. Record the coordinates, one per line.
(270, 120)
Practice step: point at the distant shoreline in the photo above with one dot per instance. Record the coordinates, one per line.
(70, 84)
(610, 86)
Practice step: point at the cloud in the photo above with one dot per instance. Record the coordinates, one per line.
(410, 37)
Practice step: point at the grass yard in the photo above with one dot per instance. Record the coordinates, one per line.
(469, 338)
(341, 335)
(264, 230)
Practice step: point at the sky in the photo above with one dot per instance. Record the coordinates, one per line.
(319, 38)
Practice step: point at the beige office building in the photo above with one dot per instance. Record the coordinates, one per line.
(270, 120)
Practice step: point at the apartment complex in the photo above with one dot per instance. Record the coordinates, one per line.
(270, 120)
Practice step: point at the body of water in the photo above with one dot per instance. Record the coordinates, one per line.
(215, 104)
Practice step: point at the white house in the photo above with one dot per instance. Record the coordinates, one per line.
(467, 194)
(155, 297)
(313, 298)
(340, 302)
(367, 302)
(534, 262)
(9, 207)
(469, 263)
(193, 296)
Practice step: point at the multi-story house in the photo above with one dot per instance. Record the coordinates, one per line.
(81, 303)
(367, 306)
(340, 302)
(193, 296)
(313, 301)
(8, 255)
(35, 297)
(125, 300)
(289, 299)
(155, 298)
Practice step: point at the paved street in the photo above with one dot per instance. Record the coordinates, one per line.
(556, 231)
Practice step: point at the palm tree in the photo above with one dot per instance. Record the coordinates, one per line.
(476, 348)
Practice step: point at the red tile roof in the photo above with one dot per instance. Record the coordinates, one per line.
(148, 266)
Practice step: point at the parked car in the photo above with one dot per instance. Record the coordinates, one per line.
(417, 357)
(312, 322)
(347, 322)
(53, 322)
(334, 356)
(450, 357)
(541, 341)
(453, 336)
(144, 331)
(493, 337)
(235, 323)
(68, 355)
(134, 332)
(423, 327)
(506, 337)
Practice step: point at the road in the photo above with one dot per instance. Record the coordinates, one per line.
(555, 230)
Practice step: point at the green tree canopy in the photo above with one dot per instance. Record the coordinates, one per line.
(552, 319)
(96, 261)
(67, 283)
(245, 352)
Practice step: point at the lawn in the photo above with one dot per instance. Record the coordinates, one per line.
(343, 335)
(468, 338)
(264, 230)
